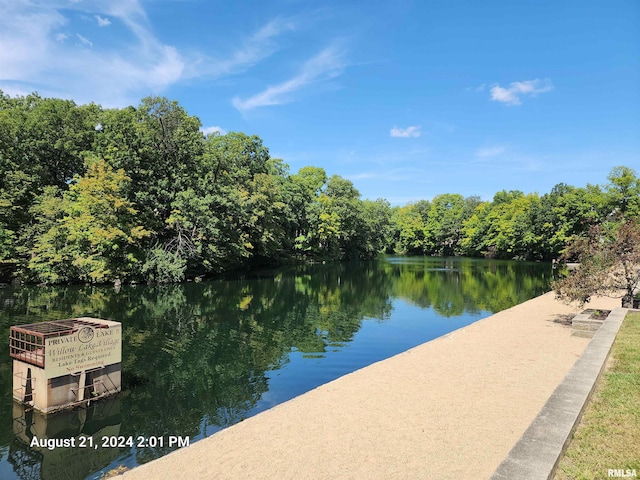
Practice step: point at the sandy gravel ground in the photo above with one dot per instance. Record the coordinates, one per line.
(451, 408)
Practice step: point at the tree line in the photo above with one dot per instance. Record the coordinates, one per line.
(96, 195)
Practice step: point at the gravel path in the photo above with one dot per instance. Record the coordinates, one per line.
(448, 409)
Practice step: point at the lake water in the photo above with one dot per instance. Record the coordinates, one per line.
(200, 357)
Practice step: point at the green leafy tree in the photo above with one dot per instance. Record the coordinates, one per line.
(509, 227)
(344, 202)
(232, 215)
(302, 192)
(266, 211)
(443, 229)
(409, 229)
(164, 266)
(474, 231)
(157, 145)
(322, 238)
(7, 251)
(378, 231)
(333, 225)
(623, 192)
(93, 235)
(609, 263)
(45, 138)
(570, 212)
(42, 143)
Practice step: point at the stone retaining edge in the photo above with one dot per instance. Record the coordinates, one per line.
(536, 454)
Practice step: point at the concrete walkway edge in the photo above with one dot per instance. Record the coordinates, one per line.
(536, 454)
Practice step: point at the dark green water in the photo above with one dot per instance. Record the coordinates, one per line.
(200, 357)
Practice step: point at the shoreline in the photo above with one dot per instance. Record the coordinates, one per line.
(448, 408)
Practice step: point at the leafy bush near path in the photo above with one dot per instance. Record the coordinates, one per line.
(609, 263)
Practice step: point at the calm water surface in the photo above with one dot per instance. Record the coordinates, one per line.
(200, 357)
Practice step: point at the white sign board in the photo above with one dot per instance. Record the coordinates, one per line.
(84, 349)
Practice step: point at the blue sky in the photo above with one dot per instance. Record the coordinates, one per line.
(408, 99)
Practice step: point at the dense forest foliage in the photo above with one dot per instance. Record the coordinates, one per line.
(140, 194)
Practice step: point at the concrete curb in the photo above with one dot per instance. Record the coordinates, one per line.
(535, 456)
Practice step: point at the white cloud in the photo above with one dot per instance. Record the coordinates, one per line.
(84, 41)
(102, 21)
(36, 54)
(409, 132)
(492, 151)
(12, 91)
(478, 88)
(25, 39)
(512, 94)
(395, 175)
(249, 52)
(213, 129)
(324, 66)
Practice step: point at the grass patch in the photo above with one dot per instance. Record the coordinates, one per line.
(608, 436)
